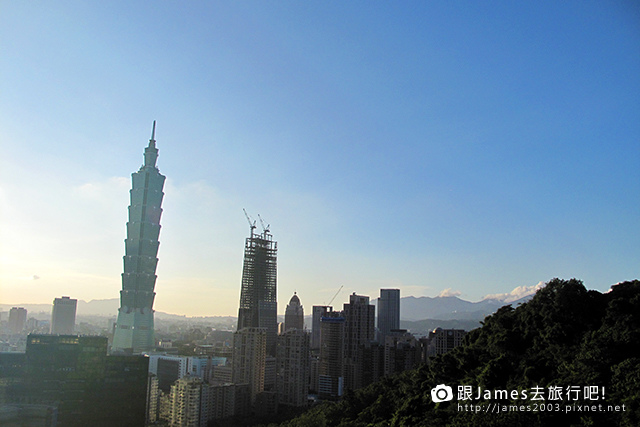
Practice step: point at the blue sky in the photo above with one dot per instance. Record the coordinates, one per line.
(464, 147)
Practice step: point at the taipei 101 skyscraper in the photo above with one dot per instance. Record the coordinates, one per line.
(134, 327)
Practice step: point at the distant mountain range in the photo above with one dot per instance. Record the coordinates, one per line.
(96, 307)
(108, 308)
(450, 308)
(414, 312)
(424, 314)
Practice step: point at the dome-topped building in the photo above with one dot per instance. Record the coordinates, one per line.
(294, 314)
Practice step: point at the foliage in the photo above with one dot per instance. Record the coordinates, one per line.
(565, 336)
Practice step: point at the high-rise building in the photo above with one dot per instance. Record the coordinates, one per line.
(195, 403)
(73, 378)
(314, 372)
(318, 312)
(153, 399)
(258, 303)
(294, 314)
(359, 317)
(223, 400)
(185, 401)
(33, 324)
(388, 312)
(126, 381)
(371, 362)
(270, 373)
(249, 359)
(440, 341)
(134, 327)
(359, 331)
(168, 368)
(17, 319)
(331, 369)
(222, 374)
(401, 351)
(63, 316)
(293, 367)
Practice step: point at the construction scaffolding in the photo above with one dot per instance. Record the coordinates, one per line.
(258, 299)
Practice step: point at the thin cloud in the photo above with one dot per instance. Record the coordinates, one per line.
(105, 191)
(449, 292)
(517, 293)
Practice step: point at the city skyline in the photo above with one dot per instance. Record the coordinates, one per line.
(456, 149)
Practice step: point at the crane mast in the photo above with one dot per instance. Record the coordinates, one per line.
(252, 225)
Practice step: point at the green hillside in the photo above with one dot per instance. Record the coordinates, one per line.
(563, 340)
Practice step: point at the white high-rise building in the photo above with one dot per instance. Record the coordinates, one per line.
(17, 319)
(63, 316)
(185, 402)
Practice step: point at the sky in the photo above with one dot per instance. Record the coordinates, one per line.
(442, 148)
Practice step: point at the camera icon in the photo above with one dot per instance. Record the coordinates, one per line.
(441, 393)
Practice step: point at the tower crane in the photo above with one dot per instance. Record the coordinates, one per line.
(336, 294)
(264, 229)
(252, 225)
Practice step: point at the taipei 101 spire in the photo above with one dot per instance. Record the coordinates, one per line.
(134, 327)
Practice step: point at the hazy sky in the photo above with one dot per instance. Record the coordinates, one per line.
(468, 146)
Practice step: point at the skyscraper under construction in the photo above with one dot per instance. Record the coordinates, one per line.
(134, 327)
(258, 304)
